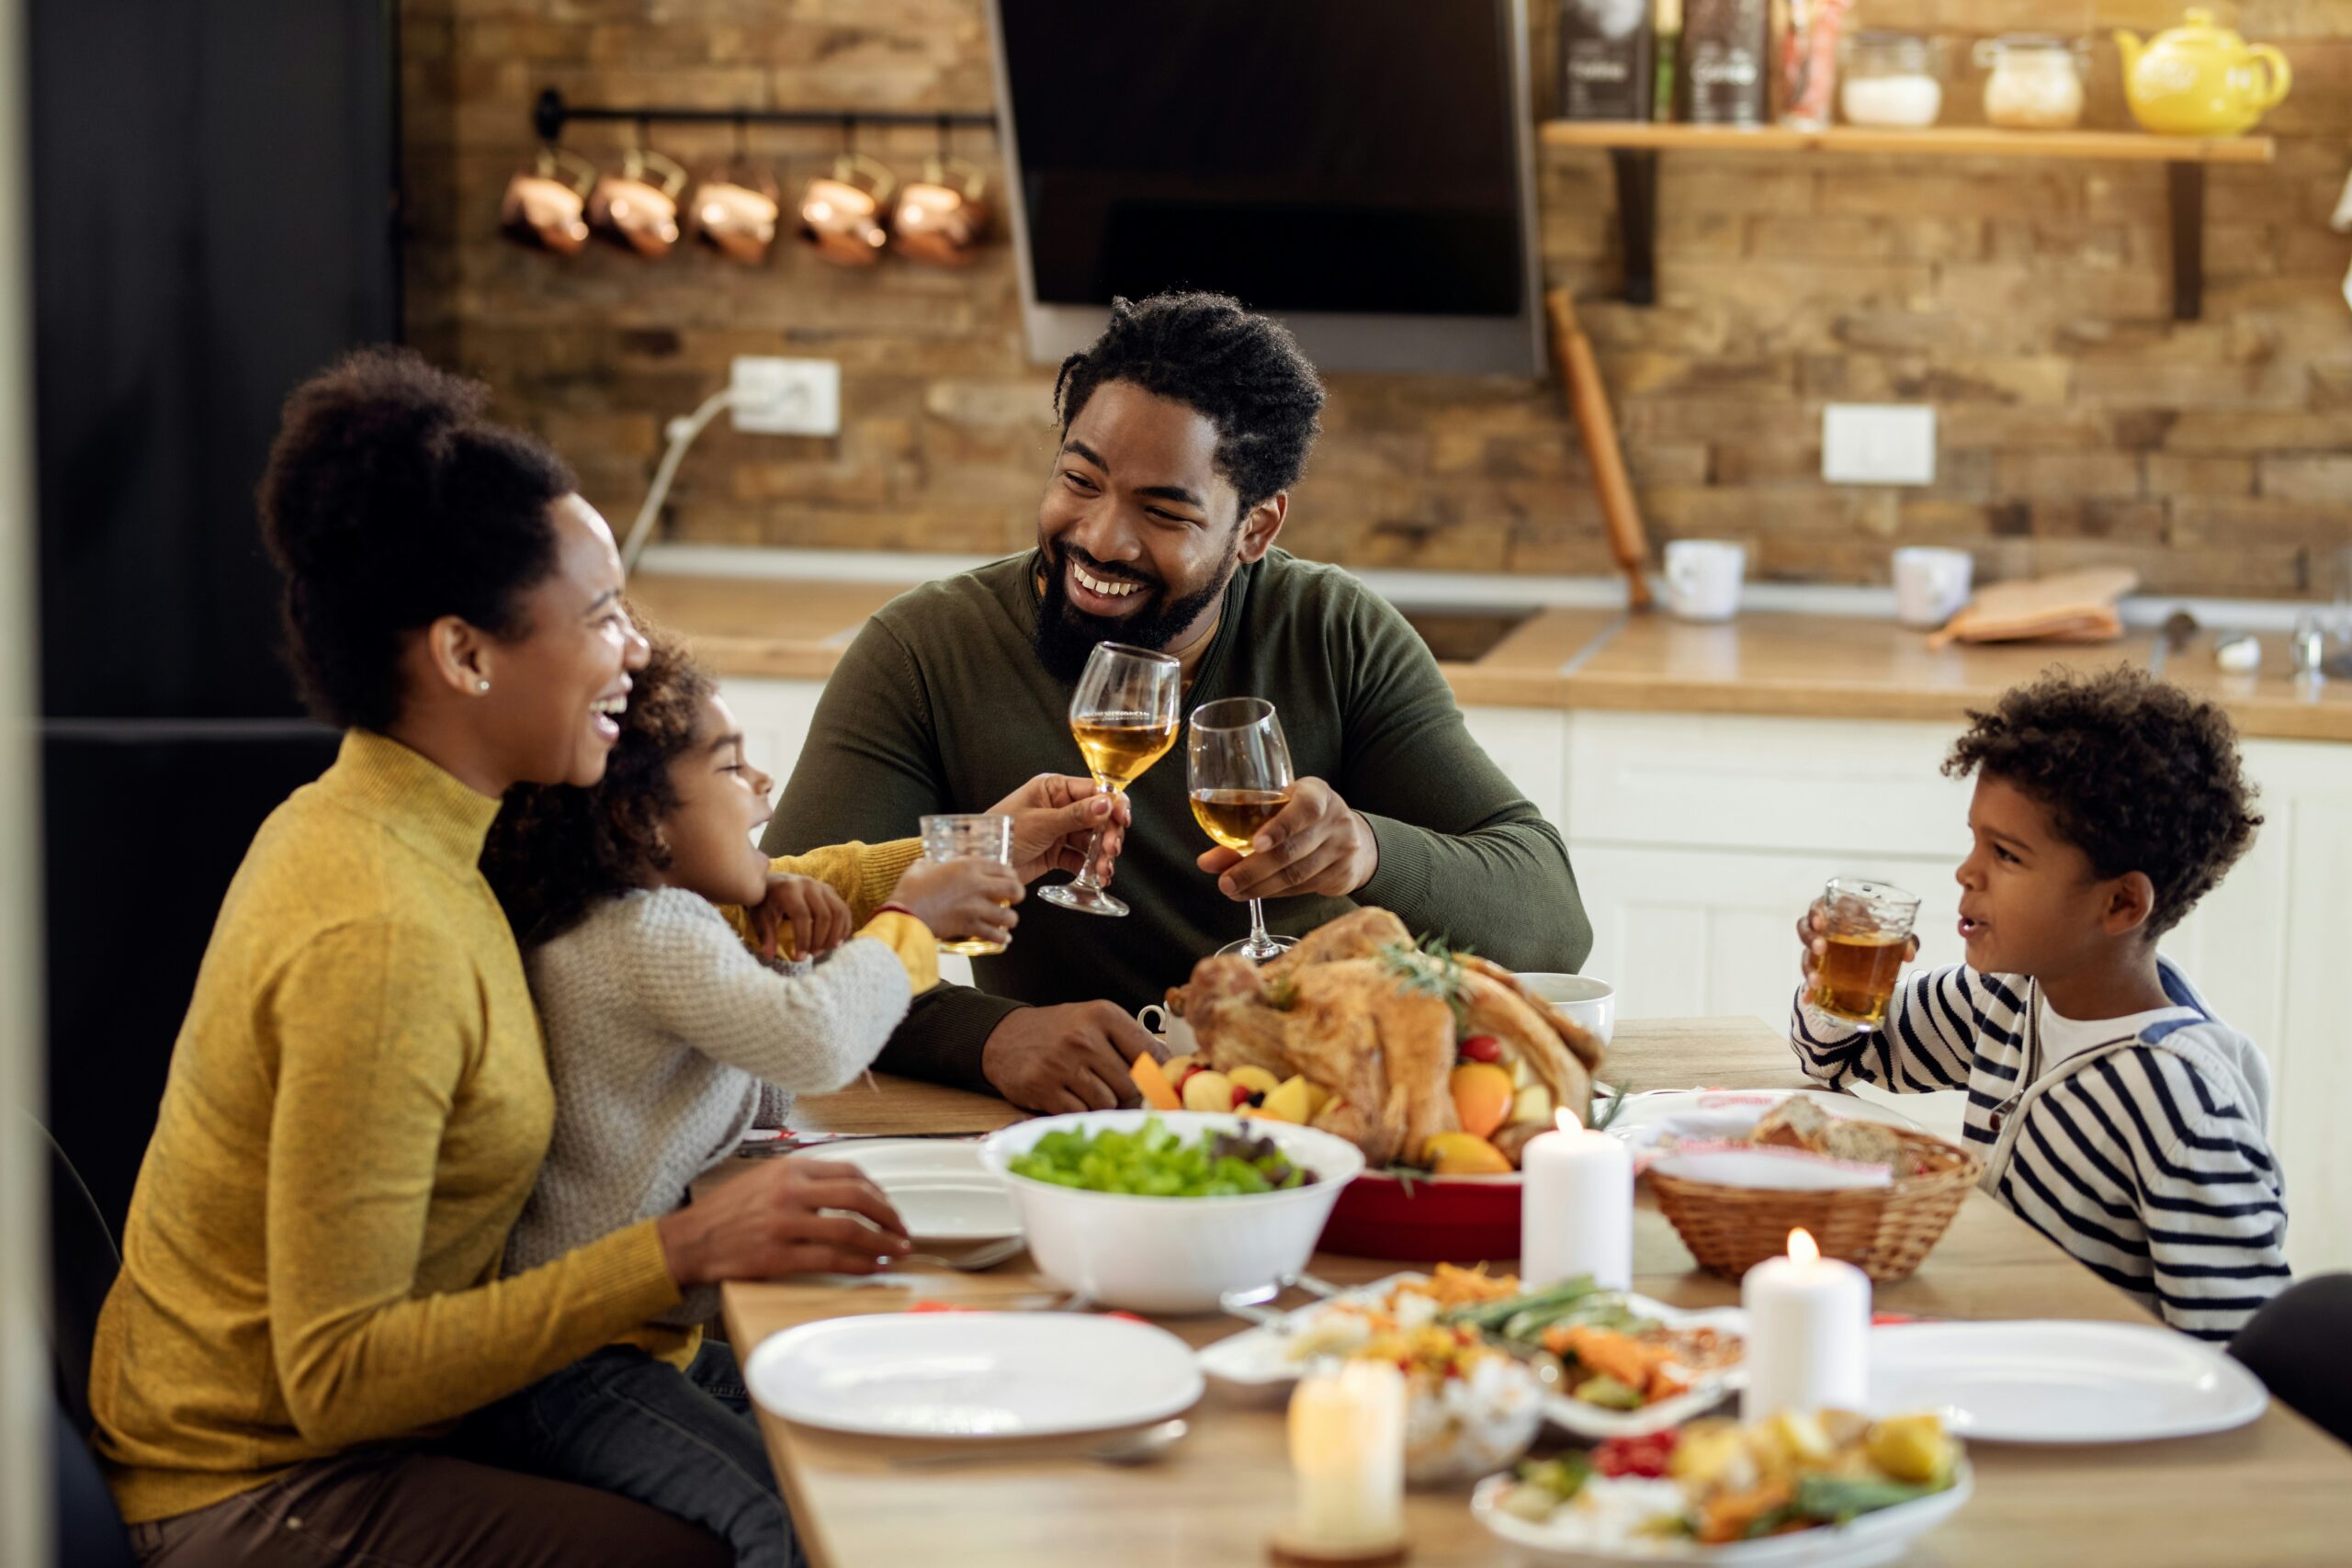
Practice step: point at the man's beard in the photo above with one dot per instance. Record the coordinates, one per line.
(1067, 634)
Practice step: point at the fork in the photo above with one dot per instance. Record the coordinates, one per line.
(972, 1262)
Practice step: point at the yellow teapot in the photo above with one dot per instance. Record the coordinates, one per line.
(2200, 80)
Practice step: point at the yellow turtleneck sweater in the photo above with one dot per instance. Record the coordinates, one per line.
(358, 1104)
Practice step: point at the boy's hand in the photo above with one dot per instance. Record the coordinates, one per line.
(804, 908)
(1054, 814)
(1813, 932)
(961, 897)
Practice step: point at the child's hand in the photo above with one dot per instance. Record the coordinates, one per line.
(1054, 814)
(1813, 932)
(783, 1217)
(961, 897)
(804, 908)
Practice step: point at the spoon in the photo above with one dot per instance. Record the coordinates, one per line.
(1139, 1447)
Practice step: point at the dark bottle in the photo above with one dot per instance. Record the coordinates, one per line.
(1607, 65)
(1726, 46)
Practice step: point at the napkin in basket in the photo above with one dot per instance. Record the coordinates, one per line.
(2075, 606)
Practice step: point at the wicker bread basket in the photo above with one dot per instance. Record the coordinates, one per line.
(1883, 1230)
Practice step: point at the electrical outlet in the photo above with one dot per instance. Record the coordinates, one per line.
(1878, 443)
(785, 397)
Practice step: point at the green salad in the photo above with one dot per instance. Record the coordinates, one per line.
(1153, 1162)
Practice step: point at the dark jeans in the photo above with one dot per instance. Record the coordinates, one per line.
(418, 1508)
(684, 1443)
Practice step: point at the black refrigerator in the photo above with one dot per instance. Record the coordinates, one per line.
(213, 217)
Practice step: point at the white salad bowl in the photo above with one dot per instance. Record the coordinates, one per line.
(1173, 1254)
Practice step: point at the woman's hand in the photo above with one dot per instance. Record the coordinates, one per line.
(1813, 931)
(961, 897)
(785, 1216)
(1053, 816)
(809, 910)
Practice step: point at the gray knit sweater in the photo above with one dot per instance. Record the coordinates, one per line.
(666, 1040)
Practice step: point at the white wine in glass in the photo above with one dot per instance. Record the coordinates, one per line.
(1240, 781)
(1124, 715)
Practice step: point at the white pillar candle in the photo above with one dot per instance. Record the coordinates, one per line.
(1575, 1207)
(1347, 1447)
(1808, 1332)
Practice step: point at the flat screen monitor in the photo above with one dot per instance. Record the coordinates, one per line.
(1360, 168)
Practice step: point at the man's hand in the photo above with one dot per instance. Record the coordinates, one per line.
(1053, 816)
(1315, 845)
(784, 1216)
(1072, 1057)
(803, 909)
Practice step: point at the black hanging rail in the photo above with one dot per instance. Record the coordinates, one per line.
(551, 112)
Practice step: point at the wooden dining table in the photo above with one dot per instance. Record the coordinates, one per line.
(2276, 1492)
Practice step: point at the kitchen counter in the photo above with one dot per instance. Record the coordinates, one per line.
(1813, 666)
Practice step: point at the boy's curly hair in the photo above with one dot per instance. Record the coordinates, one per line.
(2134, 772)
(555, 850)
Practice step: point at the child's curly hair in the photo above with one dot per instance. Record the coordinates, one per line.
(2134, 772)
(555, 850)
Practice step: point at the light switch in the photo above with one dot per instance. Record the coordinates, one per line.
(1878, 443)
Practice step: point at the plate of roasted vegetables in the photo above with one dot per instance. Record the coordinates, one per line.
(1826, 1490)
(1611, 1363)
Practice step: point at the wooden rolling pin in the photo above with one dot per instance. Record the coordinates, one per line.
(1572, 351)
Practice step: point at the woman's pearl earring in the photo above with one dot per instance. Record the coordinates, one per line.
(483, 685)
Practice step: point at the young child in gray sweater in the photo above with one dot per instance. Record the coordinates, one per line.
(668, 1037)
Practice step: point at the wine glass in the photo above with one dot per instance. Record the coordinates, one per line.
(1241, 782)
(1123, 716)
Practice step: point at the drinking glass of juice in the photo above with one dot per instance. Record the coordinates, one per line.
(977, 834)
(1868, 928)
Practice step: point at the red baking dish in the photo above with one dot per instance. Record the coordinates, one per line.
(1429, 1218)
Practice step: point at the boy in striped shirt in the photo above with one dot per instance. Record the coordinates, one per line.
(2115, 1114)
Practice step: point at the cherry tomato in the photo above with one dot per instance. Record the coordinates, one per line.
(1241, 1097)
(1644, 1455)
(1482, 1048)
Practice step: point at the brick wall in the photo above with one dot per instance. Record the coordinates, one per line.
(2029, 301)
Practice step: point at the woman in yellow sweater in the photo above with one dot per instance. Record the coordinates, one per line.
(358, 1105)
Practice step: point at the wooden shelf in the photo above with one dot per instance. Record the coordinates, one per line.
(1633, 145)
(1936, 142)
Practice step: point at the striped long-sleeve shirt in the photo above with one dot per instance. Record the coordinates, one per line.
(2145, 1155)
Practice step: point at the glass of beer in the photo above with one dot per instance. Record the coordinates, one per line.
(1868, 926)
(969, 836)
(1124, 715)
(1240, 781)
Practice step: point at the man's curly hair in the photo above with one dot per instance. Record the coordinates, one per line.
(556, 851)
(2133, 771)
(1240, 371)
(389, 501)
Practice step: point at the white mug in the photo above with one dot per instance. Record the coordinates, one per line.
(1589, 1004)
(1173, 1030)
(1702, 577)
(1930, 585)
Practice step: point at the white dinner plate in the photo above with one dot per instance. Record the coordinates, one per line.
(2054, 1382)
(1868, 1543)
(1645, 1109)
(1261, 1356)
(973, 1374)
(939, 1186)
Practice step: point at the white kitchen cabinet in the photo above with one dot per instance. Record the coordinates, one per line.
(1530, 746)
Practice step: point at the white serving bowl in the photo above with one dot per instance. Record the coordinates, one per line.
(1591, 1004)
(1173, 1254)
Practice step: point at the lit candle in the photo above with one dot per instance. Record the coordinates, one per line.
(1808, 1332)
(1575, 1207)
(1346, 1447)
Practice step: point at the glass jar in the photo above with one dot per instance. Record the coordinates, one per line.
(1891, 80)
(2036, 83)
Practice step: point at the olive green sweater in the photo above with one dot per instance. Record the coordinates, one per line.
(358, 1107)
(941, 704)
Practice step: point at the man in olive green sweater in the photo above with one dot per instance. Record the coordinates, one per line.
(1184, 427)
